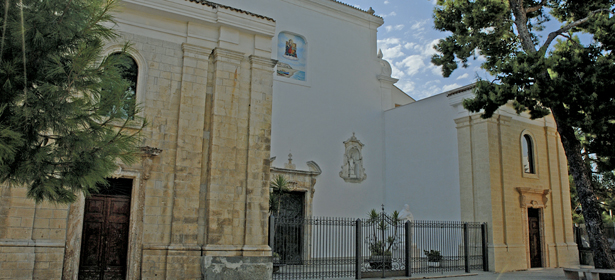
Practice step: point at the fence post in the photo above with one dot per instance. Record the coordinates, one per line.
(271, 231)
(358, 259)
(483, 231)
(466, 247)
(408, 249)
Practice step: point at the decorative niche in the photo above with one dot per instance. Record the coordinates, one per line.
(352, 170)
(292, 60)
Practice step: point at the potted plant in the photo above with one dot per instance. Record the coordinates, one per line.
(380, 245)
(433, 258)
(279, 188)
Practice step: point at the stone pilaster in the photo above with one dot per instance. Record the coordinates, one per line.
(225, 218)
(259, 141)
(189, 145)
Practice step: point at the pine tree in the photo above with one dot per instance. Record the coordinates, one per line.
(566, 78)
(63, 117)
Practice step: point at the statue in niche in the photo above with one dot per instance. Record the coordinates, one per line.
(352, 170)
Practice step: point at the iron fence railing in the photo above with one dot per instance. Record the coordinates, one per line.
(586, 256)
(382, 246)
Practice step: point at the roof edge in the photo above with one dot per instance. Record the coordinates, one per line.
(459, 89)
(369, 12)
(217, 6)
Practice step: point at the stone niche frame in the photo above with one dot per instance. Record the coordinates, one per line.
(139, 175)
(352, 170)
(537, 199)
(300, 180)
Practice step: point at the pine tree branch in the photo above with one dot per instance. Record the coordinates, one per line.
(536, 8)
(68, 5)
(521, 23)
(574, 24)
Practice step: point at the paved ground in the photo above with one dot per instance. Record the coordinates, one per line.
(532, 274)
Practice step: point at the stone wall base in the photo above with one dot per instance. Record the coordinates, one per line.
(236, 268)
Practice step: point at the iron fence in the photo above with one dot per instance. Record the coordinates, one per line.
(586, 255)
(380, 246)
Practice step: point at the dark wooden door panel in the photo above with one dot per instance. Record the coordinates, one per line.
(105, 238)
(535, 251)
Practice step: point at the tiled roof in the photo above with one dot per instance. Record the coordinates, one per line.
(368, 12)
(217, 6)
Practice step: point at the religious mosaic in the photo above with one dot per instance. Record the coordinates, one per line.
(291, 56)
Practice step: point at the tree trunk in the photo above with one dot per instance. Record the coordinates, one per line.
(603, 258)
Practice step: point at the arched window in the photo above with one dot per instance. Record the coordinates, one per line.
(527, 145)
(130, 73)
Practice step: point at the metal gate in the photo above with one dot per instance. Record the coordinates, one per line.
(380, 246)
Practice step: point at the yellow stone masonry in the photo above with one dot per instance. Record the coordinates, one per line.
(496, 190)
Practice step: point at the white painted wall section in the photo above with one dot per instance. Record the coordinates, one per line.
(422, 159)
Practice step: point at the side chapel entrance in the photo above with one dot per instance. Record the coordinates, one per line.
(533, 217)
(533, 202)
(104, 246)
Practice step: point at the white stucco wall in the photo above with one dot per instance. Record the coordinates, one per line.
(422, 160)
(341, 96)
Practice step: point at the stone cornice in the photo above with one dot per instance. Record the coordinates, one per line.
(229, 55)
(191, 50)
(216, 14)
(262, 61)
(383, 78)
(295, 171)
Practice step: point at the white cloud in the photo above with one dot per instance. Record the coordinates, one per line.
(417, 26)
(396, 73)
(412, 63)
(409, 46)
(450, 87)
(391, 14)
(392, 52)
(420, 25)
(396, 27)
(386, 2)
(427, 91)
(391, 48)
(388, 41)
(428, 50)
(463, 76)
(435, 70)
(406, 86)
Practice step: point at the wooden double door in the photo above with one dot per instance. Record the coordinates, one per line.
(533, 216)
(104, 246)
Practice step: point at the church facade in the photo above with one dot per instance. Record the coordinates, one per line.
(239, 92)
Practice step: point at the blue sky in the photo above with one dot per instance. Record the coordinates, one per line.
(406, 39)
